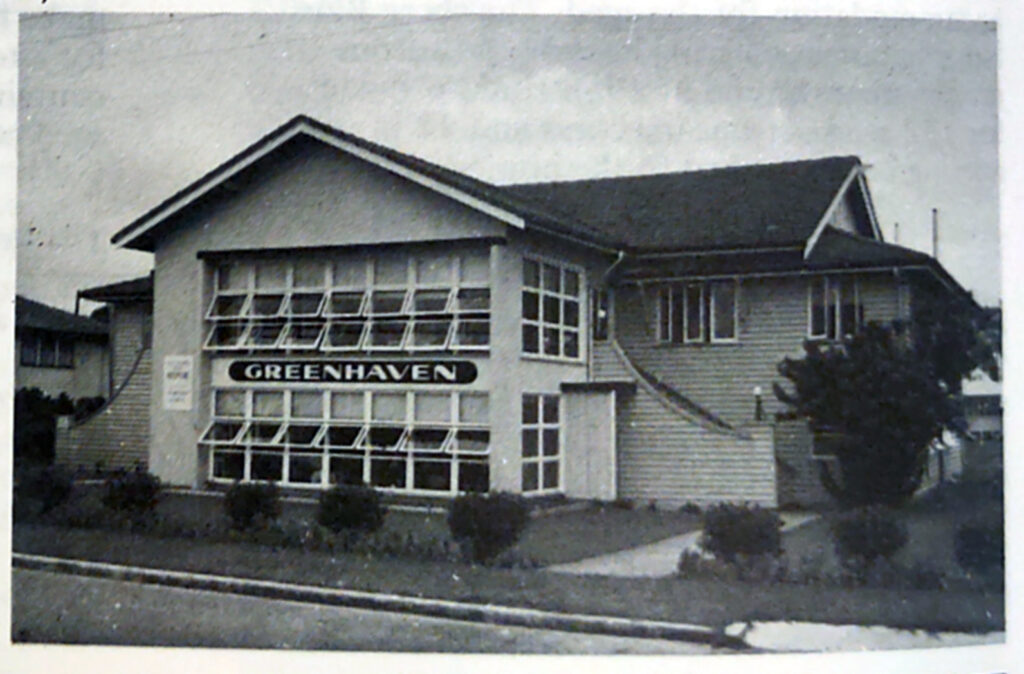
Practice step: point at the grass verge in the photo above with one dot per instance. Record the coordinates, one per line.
(712, 603)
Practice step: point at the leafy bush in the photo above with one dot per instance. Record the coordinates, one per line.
(732, 530)
(864, 535)
(252, 504)
(487, 523)
(979, 548)
(136, 492)
(40, 489)
(690, 508)
(350, 508)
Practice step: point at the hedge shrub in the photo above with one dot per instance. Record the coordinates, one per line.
(865, 535)
(252, 504)
(487, 524)
(979, 548)
(734, 530)
(350, 508)
(136, 492)
(40, 489)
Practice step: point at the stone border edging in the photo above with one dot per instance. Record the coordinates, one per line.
(439, 608)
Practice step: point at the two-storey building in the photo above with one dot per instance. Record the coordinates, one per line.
(329, 310)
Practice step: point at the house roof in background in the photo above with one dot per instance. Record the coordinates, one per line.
(123, 291)
(761, 205)
(29, 314)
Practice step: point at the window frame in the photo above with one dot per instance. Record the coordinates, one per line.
(580, 330)
(541, 459)
(675, 328)
(832, 291)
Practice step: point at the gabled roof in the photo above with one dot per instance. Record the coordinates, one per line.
(29, 314)
(757, 206)
(475, 193)
(123, 291)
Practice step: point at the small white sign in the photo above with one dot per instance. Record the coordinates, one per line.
(178, 383)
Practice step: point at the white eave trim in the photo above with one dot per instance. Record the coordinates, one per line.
(862, 183)
(350, 148)
(827, 215)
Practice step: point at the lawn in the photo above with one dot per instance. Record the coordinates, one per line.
(690, 601)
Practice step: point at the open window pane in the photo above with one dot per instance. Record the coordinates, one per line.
(228, 306)
(301, 435)
(386, 334)
(471, 440)
(303, 335)
(473, 333)
(342, 436)
(226, 335)
(430, 334)
(305, 304)
(387, 302)
(264, 335)
(427, 439)
(432, 301)
(266, 305)
(474, 299)
(223, 432)
(345, 335)
(263, 432)
(345, 304)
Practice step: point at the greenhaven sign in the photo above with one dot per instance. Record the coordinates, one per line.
(354, 371)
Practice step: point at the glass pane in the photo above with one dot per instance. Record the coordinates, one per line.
(388, 407)
(664, 314)
(266, 305)
(472, 441)
(531, 409)
(264, 334)
(550, 409)
(346, 470)
(473, 333)
(387, 302)
(724, 303)
(427, 439)
(228, 306)
(530, 440)
(430, 301)
(430, 333)
(304, 469)
(571, 347)
(550, 442)
(694, 312)
(345, 304)
(386, 333)
(303, 334)
(226, 334)
(433, 407)
(232, 276)
(571, 313)
(350, 273)
(229, 465)
(552, 309)
(263, 432)
(531, 274)
(347, 406)
(475, 268)
(572, 283)
(29, 350)
(473, 408)
(531, 339)
(302, 434)
(551, 341)
(550, 475)
(65, 353)
(391, 270)
(307, 404)
(268, 404)
(345, 335)
(531, 306)
(223, 431)
(473, 299)
(266, 467)
(552, 279)
(229, 403)
(343, 436)
(432, 475)
(530, 481)
(818, 307)
(434, 270)
(305, 304)
(271, 274)
(308, 274)
(387, 472)
(474, 477)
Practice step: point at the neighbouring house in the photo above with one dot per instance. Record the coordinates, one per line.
(328, 310)
(58, 351)
(983, 412)
(117, 434)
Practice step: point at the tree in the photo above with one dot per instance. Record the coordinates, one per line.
(886, 394)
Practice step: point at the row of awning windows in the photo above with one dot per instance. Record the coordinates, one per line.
(348, 303)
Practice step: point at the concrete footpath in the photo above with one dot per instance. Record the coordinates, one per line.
(657, 559)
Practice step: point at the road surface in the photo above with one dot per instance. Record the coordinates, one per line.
(58, 608)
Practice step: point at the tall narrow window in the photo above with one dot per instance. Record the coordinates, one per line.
(835, 308)
(551, 310)
(698, 312)
(541, 453)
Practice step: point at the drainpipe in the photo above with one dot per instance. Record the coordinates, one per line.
(608, 272)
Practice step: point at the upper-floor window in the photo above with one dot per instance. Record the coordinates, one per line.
(46, 349)
(698, 312)
(551, 310)
(834, 307)
(388, 302)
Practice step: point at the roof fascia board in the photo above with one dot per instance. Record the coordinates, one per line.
(827, 215)
(712, 251)
(350, 148)
(793, 272)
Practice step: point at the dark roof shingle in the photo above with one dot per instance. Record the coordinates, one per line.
(133, 289)
(29, 314)
(734, 207)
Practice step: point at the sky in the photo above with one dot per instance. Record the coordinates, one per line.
(118, 111)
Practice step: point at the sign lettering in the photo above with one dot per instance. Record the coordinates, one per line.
(354, 372)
